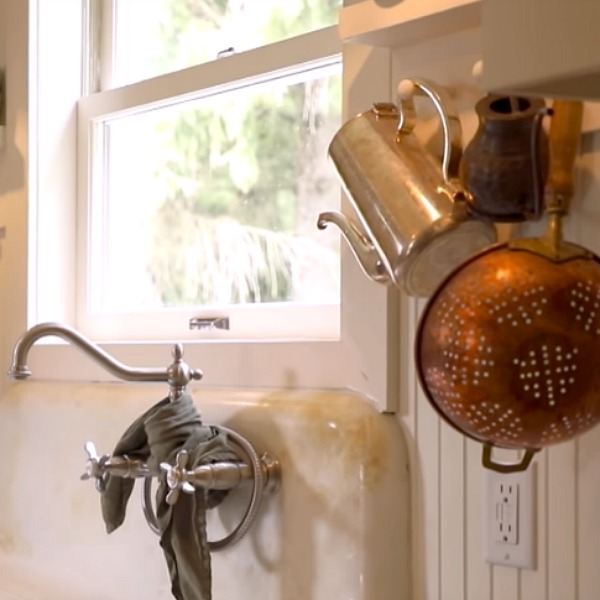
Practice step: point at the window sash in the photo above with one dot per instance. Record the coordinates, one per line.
(291, 59)
(280, 59)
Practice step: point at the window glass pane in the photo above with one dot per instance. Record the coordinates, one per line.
(153, 37)
(215, 201)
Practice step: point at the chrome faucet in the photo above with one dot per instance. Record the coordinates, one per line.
(223, 475)
(177, 375)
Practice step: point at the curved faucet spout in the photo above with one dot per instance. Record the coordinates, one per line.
(20, 370)
(365, 252)
(177, 375)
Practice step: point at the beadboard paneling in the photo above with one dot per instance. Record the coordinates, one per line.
(448, 479)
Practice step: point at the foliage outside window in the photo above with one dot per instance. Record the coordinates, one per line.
(213, 200)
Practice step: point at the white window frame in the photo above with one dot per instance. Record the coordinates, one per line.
(365, 358)
(285, 320)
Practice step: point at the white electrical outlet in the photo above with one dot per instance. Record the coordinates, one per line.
(510, 518)
(505, 498)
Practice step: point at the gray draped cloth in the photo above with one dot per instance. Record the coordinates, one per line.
(154, 437)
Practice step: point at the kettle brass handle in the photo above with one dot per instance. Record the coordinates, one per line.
(451, 127)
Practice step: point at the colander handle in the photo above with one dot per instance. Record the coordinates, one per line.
(488, 462)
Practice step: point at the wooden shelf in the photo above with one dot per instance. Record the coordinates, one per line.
(394, 23)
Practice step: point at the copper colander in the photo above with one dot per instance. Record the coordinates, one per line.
(507, 347)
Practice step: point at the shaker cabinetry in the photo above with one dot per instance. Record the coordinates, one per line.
(542, 47)
(546, 48)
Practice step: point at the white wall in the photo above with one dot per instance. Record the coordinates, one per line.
(13, 192)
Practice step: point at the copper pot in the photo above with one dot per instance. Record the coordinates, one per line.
(506, 347)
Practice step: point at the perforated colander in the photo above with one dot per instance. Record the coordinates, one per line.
(507, 347)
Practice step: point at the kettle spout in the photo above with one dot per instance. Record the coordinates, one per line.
(363, 249)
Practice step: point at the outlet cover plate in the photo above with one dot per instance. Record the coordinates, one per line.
(510, 518)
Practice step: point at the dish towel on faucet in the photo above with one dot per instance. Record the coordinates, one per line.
(156, 436)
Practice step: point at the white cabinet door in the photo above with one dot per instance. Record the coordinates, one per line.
(542, 47)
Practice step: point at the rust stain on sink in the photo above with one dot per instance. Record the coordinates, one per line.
(9, 544)
(326, 426)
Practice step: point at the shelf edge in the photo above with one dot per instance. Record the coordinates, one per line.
(407, 22)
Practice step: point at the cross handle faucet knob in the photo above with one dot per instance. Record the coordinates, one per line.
(177, 477)
(95, 466)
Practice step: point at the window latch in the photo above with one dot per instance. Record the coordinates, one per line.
(227, 52)
(209, 323)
